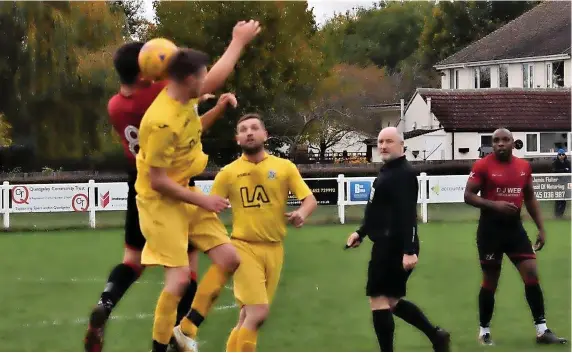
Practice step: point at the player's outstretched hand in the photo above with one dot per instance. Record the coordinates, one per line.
(540, 241)
(295, 218)
(244, 32)
(353, 241)
(227, 99)
(214, 203)
(409, 261)
(505, 207)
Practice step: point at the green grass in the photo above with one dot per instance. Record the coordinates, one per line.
(50, 281)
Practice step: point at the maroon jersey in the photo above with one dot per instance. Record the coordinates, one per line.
(125, 114)
(502, 181)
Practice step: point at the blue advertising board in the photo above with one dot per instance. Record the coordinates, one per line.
(359, 190)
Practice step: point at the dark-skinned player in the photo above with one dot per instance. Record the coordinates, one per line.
(505, 184)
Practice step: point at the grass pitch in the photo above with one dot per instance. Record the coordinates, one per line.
(51, 280)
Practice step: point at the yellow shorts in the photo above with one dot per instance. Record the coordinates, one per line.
(257, 277)
(168, 226)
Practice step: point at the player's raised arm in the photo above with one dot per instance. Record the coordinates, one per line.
(533, 208)
(301, 190)
(159, 156)
(242, 34)
(209, 118)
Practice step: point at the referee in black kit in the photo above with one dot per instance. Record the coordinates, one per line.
(390, 221)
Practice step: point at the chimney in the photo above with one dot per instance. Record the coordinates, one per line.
(402, 118)
(430, 121)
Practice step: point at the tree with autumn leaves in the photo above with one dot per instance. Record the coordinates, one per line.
(309, 83)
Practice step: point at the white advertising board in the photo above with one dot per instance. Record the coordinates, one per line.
(111, 196)
(49, 198)
(444, 189)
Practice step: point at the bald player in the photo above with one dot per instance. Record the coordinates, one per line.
(505, 183)
(390, 221)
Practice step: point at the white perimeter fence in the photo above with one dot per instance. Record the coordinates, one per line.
(342, 191)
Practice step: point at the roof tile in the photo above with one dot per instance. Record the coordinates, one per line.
(488, 109)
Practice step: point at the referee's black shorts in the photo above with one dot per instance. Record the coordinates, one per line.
(386, 275)
(134, 238)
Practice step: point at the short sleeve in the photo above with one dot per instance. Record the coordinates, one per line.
(296, 184)
(220, 184)
(478, 173)
(160, 146)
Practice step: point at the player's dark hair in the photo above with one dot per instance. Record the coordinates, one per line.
(186, 62)
(125, 61)
(251, 116)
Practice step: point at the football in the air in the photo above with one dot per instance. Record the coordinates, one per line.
(154, 56)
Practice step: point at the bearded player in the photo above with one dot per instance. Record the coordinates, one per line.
(257, 185)
(170, 213)
(505, 183)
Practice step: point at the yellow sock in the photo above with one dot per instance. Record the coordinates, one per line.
(165, 317)
(246, 341)
(208, 290)
(232, 340)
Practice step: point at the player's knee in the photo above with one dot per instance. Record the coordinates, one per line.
(258, 314)
(132, 257)
(490, 284)
(226, 257)
(177, 280)
(379, 303)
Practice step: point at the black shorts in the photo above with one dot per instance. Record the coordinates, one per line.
(494, 240)
(386, 275)
(134, 238)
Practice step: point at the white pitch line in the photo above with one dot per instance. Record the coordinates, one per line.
(84, 280)
(83, 320)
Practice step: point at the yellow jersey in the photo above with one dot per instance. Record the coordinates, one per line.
(258, 194)
(170, 138)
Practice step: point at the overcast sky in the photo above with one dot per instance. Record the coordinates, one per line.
(322, 9)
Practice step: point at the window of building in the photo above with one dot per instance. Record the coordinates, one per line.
(456, 78)
(555, 74)
(503, 75)
(531, 142)
(546, 142)
(528, 75)
(484, 77)
(487, 140)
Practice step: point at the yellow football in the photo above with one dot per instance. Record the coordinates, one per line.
(154, 57)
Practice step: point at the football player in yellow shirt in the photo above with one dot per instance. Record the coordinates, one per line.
(171, 213)
(257, 185)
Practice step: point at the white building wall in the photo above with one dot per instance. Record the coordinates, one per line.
(445, 79)
(494, 76)
(433, 146)
(417, 115)
(515, 75)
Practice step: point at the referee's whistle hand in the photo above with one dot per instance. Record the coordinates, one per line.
(409, 261)
(353, 240)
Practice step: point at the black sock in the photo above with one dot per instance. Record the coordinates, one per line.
(120, 279)
(536, 302)
(384, 328)
(186, 301)
(411, 314)
(159, 347)
(486, 306)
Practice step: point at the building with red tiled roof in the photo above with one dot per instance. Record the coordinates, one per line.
(518, 77)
